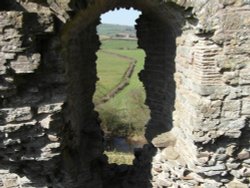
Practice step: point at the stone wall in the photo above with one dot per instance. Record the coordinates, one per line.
(210, 122)
(197, 82)
(32, 94)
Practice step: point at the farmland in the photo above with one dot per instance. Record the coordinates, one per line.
(123, 115)
(111, 30)
(110, 71)
(117, 114)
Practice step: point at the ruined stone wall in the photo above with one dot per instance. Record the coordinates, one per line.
(157, 75)
(211, 118)
(197, 82)
(32, 93)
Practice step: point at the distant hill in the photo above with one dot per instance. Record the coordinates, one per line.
(111, 30)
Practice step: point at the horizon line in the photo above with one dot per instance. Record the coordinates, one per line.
(117, 24)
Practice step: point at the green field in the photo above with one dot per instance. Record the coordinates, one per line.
(119, 157)
(118, 114)
(110, 72)
(119, 44)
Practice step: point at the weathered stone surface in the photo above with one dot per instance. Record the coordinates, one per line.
(11, 182)
(45, 122)
(232, 128)
(232, 165)
(244, 154)
(237, 184)
(245, 107)
(197, 65)
(170, 153)
(9, 128)
(219, 167)
(25, 65)
(49, 108)
(164, 140)
(19, 114)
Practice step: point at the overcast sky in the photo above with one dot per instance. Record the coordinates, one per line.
(121, 17)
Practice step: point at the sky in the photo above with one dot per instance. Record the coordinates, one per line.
(121, 17)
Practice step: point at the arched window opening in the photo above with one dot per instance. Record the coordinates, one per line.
(156, 36)
(120, 95)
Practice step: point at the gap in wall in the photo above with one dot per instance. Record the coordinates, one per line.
(120, 96)
(156, 38)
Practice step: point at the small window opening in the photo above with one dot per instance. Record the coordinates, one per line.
(119, 96)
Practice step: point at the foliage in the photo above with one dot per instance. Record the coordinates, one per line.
(114, 121)
(125, 120)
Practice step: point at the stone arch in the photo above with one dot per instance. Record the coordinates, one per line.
(157, 29)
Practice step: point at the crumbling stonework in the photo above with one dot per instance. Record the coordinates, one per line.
(197, 82)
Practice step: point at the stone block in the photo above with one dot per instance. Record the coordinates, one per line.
(9, 56)
(234, 166)
(232, 62)
(210, 109)
(244, 77)
(236, 184)
(245, 90)
(10, 181)
(213, 173)
(2, 64)
(15, 114)
(245, 107)
(9, 128)
(211, 184)
(219, 167)
(170, 153)
(231, 128)
(230, 151)
(24, 64)
(231, 109)
(164, 140)
(49, 108)
(244, 172)
(235, 93)
(231, 78)
(45, 122)
(236, 20)
(247, 161)
(53, 138)
(244, 154)
(162, 180)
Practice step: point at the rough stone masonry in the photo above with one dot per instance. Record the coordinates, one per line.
(197, 82)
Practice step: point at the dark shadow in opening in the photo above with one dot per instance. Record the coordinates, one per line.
(10, 5)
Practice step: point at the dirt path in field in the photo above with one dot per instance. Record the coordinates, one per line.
(125, 78)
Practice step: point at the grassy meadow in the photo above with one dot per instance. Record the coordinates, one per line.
(118, 114)
(110, 72)
(119, 44)
(119, 157)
